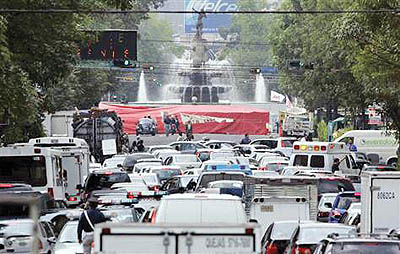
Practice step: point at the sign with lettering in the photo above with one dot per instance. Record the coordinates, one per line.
(109, 45)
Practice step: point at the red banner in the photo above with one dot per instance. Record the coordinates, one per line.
(222, 119)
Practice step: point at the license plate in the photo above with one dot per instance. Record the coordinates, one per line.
(227, 242)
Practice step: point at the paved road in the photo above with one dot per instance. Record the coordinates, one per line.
(163, 140)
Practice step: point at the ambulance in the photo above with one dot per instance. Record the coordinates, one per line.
(320, 156)
(40, 167)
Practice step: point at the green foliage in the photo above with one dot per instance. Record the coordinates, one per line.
(322, 131)
(340, 132)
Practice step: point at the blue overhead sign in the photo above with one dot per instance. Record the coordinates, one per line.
(212, 22)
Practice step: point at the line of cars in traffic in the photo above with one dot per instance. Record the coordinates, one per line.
(213, 197)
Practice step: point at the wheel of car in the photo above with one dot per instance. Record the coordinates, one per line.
(153, 133)
(392, 162)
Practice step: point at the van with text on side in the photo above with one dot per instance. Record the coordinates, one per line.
(380, 146)
(36, 166)
(74, 161)
(321, 155)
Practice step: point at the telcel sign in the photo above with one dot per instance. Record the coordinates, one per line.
(213, 22)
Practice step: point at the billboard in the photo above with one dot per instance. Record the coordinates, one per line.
(213, 21)
(109, 45)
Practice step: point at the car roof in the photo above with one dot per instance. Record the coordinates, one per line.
(324, 225)
(200, 196)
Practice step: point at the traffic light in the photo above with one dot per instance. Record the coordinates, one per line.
(255, 70)
(124, 63)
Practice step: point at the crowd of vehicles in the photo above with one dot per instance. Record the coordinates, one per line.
(273, 196)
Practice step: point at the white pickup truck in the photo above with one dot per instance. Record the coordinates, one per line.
(176, 238)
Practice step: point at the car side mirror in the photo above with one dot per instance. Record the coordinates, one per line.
(328, 205)
(79, 187)
(51, 240)
(119, 165)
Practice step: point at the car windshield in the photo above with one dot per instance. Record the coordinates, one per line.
(283, 231)
(186, 159)
(131, 160)
(113, 162)
(69, 233)
(366, 248)
(150, 179)
(316, 234)
(334, 186)
(205, 179)
(225, 184)
(164, 174)
(23, 169)
(100, 181)
(122, 214)
(277, 166)
(345, 202)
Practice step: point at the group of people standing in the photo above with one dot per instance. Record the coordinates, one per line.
(171, 125)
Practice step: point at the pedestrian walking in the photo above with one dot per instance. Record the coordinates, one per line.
(180, 137)
(88, 219)
(246, 140)
(177, 123)
(140, 145)
(189, 130)
(167, 124)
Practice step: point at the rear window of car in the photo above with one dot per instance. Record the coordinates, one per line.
(314, 235)
(301, 160)
(334, 186)
(100, 181)
(287, 143)
(345, 202)
(317, 161)
(283, 231)
(205, 179)
(366, 248)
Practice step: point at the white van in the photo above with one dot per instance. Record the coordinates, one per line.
(39, 167)
(320, 155)
(75, 158)
(373, 142)
(195, 208)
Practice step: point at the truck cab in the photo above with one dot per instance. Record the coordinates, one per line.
(321, 155)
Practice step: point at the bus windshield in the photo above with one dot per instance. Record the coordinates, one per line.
(23, 169)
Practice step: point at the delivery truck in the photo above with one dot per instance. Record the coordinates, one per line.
(281, 198)
(380, 202)
(176, 238)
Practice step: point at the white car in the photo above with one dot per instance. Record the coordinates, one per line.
(163, 154)
(325, 205)
(184, 161)
(113, 162)
(291, 170)
(263, 173)
(153, 149)
(151, 180)
(193, 171)
(276, 165)
(131, 187)
(18, 236)
(68, 239)
(281, 144)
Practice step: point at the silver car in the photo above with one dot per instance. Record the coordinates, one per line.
(18, 236)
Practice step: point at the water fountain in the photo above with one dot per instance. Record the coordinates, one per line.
(261, 91)
(209, 81)
(142, 93)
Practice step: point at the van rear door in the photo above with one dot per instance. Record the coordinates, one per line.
(385, 204)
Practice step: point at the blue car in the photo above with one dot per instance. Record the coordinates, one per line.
(341, 204)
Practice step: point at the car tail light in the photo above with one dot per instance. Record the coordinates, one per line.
(153, 216)
(357, 194)
(51, 192)
(323, 148)
(249, 231)
(72, 198)
(36, 150)
(323, 214)
(132, 195)
(6, 185)
(40, 244)
(303, 250)
(108, 173)
(272, 249)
